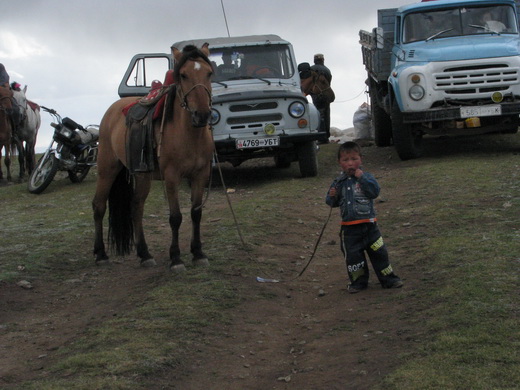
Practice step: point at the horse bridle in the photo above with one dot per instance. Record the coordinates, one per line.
(2, 108)
(184, 96)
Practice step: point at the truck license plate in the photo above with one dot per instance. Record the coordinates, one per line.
(257, 142)
(468, 112)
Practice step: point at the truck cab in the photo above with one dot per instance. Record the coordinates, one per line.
(258, 110)
(443, 67)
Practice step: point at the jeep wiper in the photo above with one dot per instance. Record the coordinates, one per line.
(221, 83)
(485, 28)
(438, 33)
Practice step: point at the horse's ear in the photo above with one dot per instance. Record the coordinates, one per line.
(176, 53)
(25, 89)
(205, 49)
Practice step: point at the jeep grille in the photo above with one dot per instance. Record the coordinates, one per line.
(253, 107)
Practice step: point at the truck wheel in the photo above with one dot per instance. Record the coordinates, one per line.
(513, 127)
(381, 122)
(407, 138)
(308, 159)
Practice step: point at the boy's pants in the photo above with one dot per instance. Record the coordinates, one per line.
(355, 240)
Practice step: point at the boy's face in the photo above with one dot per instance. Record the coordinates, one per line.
(350, 162)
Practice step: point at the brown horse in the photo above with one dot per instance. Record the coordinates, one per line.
(184, 147)
(316, 84)
(6, 129)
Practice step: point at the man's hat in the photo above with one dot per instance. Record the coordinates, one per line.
(318, 56)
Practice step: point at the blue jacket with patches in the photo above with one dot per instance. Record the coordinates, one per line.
(354, 196)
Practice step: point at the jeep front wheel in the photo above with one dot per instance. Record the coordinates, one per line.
(308, 159)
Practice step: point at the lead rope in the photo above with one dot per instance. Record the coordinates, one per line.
(267, 280)
(228, 198)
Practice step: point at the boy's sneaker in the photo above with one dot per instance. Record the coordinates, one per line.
(352, 289)
(397, 284)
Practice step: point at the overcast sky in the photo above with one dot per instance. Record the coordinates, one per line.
(72, 54)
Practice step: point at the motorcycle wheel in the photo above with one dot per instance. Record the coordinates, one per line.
(80, 172)
(44, 173)
(77, 175)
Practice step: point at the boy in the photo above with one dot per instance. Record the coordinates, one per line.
(353, 191)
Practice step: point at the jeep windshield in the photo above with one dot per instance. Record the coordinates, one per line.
(252, 62)
(425, 26)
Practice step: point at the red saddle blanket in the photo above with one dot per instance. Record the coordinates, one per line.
(153, 94)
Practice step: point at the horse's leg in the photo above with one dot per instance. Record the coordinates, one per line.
(143, 184)
(21, 158)
(7, 162)
(197, 193)
(1, 173)
(172, 183)
(106, 176)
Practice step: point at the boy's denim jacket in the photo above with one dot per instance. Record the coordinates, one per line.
(355, 196)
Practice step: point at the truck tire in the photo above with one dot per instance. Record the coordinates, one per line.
(307, 159)
(407, 139)
(513, 127)
(381, 122)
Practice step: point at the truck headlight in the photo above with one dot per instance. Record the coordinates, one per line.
(416, 92)
(296, 109)
(215, 117)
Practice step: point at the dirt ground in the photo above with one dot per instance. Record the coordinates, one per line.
(312, 334)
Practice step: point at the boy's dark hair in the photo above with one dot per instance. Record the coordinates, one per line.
(349, 146)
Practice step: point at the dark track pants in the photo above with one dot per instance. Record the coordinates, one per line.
(361, 238)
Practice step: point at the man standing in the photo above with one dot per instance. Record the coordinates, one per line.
(322, 106)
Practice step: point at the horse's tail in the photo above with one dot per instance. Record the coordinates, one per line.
(120, 225)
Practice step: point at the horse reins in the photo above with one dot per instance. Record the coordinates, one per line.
(184, 96)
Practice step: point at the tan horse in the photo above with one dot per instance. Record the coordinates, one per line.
(6, 130)
(317, 84)
(184, 149)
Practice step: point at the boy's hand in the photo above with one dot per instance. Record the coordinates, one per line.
(358, 173)
(333, 192)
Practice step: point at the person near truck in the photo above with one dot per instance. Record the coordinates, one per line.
(322, 106)
(354, 192)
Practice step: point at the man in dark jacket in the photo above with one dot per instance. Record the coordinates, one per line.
(323, 107)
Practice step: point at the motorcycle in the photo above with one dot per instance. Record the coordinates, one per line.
(73, 149)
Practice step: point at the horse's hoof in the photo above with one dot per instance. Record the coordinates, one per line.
(102, 262)
(178, 268)
(201, 262)
(149, 263)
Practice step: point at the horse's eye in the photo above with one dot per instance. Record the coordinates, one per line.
(183, 76)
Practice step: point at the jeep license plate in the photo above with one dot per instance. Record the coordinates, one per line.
(249, 143)
(468, 112)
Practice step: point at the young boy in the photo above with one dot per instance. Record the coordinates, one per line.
(353, 191)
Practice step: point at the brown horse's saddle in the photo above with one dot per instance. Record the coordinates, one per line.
(140, 118)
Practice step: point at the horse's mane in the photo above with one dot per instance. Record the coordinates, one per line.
(190, 52)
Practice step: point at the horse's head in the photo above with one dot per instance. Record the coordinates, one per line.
(193, 73)
(6, 103)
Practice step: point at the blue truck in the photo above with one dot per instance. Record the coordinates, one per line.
(444, 67)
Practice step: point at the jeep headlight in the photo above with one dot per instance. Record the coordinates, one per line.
(214, 118)
(296, 109)
(416, 92)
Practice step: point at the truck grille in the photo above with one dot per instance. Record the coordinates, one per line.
(476, 79)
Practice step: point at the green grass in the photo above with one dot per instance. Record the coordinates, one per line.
(463, 240)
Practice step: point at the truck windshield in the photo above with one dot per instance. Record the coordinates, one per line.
(497, 19)
(248, 62)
